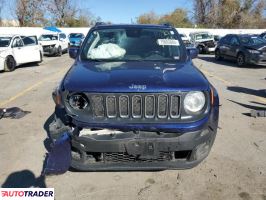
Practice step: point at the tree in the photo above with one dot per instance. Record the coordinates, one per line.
(229, 13)
(177, 18)
(148, 18)
(30, 12)
(65, 13)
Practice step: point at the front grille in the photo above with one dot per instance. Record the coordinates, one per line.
(117, 157)
(136, 106)
(209, 44)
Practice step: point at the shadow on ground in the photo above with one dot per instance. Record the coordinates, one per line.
(228, 63)
(24, 179)
(259, 93)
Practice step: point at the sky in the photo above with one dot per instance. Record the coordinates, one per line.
(121, 11)
(124, 11)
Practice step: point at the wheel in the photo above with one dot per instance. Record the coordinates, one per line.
(10, 64)
(240, 60)
(218, 55)
(59, 51)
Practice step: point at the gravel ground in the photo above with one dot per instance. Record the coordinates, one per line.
(235, 168)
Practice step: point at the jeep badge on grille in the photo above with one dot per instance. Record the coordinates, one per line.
(137, 87)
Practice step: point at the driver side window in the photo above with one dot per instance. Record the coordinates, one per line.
(234, 41)
(17, 42)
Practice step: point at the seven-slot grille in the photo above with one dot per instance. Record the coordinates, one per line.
(136, 106)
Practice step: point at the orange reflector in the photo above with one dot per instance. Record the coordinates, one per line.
(58, 99)
(212, 97)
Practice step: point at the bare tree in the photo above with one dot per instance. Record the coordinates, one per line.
(1, 8)
(30, 12)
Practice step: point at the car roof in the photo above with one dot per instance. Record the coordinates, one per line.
(8, 35)
(109, 26)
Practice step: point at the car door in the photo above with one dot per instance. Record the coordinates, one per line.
(63, 41)
(32, 49)
(234, 46)
(18, 50)
(224, 45)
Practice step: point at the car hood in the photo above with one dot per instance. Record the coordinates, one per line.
(133, 77)
(3, 49)
(50, 42)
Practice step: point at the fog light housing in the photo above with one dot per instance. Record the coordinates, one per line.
(202, 150)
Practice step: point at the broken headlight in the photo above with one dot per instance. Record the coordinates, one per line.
(78, 101)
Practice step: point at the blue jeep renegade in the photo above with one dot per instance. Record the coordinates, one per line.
(133, 100)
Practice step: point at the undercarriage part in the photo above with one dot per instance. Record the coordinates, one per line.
(13, 113)
(59, 158)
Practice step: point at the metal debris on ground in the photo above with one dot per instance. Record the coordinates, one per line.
(258, 113)
(12, 113)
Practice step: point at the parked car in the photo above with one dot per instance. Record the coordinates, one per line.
(16, 50)
(54, 44)
(134, 100)
(185, 39)
(263, 35)
(204, 41)
(245, 49)
(76, 39)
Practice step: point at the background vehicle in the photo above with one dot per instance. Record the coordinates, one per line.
(16, 50)
(135, 101)
(204, 41)
(243, 48)
(54, 43)
(263, 35)
(76, 39)
(185, 38)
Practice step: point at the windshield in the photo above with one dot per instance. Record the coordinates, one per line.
(76, 35)
(5, 41)
(252, 40)
(203, 36)
(132, 44)
(48, 37)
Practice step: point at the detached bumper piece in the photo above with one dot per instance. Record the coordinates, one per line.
(141, 151)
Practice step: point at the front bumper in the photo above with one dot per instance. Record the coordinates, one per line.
(2, 63)
(49, 51)
(210, 49)
(257, 59)
(141, 151)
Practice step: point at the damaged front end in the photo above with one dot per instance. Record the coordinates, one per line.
(103, 144)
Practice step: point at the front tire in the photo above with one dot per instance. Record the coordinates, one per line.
(59, 51)
(240, 60)
(10, 64)
(218, 56)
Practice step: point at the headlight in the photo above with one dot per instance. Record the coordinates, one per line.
(253, 51)
(194, 101)
(78, 101)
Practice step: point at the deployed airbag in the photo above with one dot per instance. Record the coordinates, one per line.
(107, 51)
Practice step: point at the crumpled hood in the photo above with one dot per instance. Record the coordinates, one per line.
(50, 42)
(133, 77)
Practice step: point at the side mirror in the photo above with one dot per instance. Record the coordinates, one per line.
(73, 52)
(192, 52)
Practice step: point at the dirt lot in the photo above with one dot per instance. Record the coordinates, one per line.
(235, 168)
